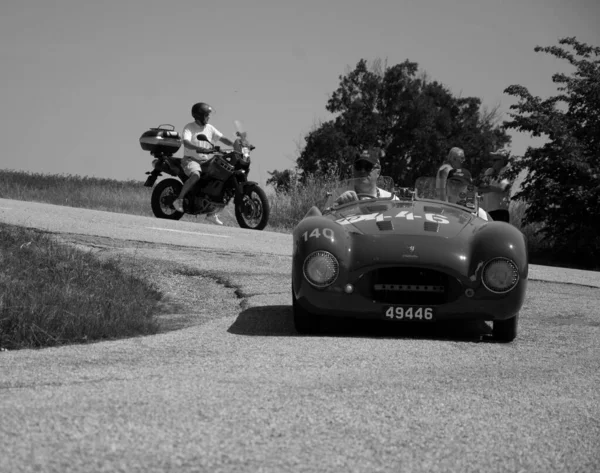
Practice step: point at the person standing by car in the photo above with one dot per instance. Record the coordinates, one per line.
(365, 172)
(496, 188)
(454, 160)
(195, 152)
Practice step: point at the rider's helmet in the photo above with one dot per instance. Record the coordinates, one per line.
(201, 111)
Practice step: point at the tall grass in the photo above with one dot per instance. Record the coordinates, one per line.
(132, 197)
(51, 294)
(534, 238)
(75, 191)
(287, 209)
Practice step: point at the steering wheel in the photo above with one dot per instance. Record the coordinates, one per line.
(404, 192)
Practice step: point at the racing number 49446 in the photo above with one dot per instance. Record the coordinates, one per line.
(410, 313)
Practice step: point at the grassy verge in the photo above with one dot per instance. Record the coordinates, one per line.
(52, 294)
(74, 191)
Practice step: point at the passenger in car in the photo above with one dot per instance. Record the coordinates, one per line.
(457, 189)
(454, 160)
(365, 172)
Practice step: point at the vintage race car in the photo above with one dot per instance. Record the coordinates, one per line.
(409, 258)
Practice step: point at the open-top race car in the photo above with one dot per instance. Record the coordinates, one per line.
(408, 258)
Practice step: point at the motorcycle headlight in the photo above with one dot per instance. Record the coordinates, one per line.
(321, 268)
(500, 275)
(246, 152)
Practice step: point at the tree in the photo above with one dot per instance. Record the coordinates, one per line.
(414, 120)
(282, 181)
(326, 147)
(562, 185)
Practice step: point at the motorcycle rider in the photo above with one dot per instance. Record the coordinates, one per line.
(195, 151)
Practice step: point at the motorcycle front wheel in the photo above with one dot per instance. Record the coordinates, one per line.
(162, 199)
(252, 211)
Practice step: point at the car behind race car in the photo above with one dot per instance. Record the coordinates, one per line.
(409, 258)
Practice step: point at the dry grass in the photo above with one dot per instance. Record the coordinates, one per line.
(74, 191)
(287, 209)
(534, 239)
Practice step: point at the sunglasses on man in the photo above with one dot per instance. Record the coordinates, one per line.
(364, 166)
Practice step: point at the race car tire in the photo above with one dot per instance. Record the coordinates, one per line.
(304, 322)
(505, 330)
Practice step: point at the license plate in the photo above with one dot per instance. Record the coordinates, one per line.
(409, 313)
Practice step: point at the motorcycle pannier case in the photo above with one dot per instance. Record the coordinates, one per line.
(161, 141)
(219, 168)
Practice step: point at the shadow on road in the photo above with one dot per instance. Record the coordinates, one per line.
(277, 320)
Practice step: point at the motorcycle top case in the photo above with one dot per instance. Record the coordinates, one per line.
(161, 141)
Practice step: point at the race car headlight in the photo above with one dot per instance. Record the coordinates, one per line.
(321, 268)
(500, 275)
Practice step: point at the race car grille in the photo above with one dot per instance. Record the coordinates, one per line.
(409, 288)
(409, 285)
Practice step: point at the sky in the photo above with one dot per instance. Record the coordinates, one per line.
(82, 80)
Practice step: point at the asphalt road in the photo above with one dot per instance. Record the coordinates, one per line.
(237, 389)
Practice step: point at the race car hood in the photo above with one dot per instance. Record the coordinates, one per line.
(407, 218)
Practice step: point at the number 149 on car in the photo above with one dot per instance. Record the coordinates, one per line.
(409, 313)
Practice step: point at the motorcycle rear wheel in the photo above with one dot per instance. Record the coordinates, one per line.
(162, 199)
(253, 210)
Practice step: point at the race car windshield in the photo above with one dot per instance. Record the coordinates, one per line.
(455, 192)
(338, 193)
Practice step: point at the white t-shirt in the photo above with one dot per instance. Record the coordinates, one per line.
(189, 133)
(440, 180)
(497, 200)
(482, 214)
(385, 194)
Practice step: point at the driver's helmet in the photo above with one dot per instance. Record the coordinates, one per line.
(201, 111)
(458, 184)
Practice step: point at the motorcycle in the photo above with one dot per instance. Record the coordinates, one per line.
(224, 177)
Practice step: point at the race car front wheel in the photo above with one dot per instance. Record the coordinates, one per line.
(505, 330)
(304, 322)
